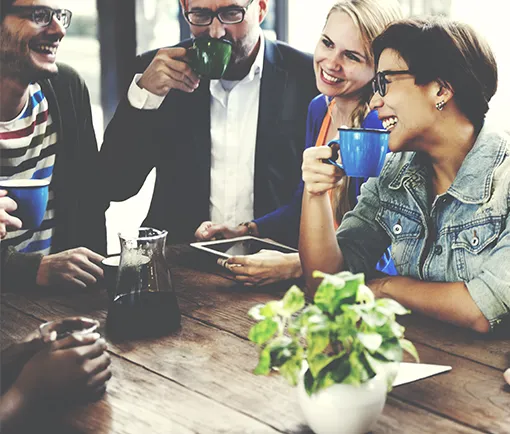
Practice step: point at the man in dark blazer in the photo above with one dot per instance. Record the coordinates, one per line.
(202, 142)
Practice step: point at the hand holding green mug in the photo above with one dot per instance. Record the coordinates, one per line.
(209, 57)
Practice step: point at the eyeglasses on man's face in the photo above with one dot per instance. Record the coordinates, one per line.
(42, 15)
(227, 15)
(379, 82)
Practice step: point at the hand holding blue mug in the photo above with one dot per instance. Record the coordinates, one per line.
(362, 151)
(7, 206)
(31, 197)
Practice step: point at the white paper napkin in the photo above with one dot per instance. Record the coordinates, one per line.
(409, 372)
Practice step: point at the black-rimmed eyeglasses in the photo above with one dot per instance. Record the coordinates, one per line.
(380, 81)
(227, 15)
(42, 15)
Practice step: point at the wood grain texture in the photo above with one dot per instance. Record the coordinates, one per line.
(199, 379)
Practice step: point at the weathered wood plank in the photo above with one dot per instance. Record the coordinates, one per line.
(402, 418)
(200, 357)
(138, 400)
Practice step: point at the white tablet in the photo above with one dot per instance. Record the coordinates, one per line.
(240, 246)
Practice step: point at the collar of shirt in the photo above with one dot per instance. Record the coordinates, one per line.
(219, 92)
(474, 178)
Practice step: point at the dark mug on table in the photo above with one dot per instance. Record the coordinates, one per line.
(209, 57)
(363, 151)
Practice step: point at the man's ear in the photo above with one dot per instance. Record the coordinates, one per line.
(263, 9)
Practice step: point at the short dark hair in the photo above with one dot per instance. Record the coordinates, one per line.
(451, 52)
(5, 5)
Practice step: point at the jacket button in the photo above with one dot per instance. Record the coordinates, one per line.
(397, 229)
(475, 241)
(438, 249)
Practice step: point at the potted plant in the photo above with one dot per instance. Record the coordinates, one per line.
(342, 350)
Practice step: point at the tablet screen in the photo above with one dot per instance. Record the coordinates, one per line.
(242, 246)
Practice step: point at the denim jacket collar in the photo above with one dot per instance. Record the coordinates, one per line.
(473, 182)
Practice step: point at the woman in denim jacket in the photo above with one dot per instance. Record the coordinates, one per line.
(442, 198)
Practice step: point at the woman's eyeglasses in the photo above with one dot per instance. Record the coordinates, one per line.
(228, 15)
(42, 15)
(380, 81)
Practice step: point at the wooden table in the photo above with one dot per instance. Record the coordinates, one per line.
(199, 379)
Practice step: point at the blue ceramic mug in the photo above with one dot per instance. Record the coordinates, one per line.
(363, 151)
(31, 195)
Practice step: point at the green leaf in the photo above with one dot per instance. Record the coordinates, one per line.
(309, 382)
(389, 306)
(271, 309)
(358, 373)
(264, 365)
(290, 370)
(373, 318)
(282, 349)
(391, 350)
(409, 348)
(365, 295)
(261, 332)
(336, 290)
(293, 300)
(323, 381)
(318, 362)
(317, 337)
(389, 369)
(371, 341)
(254, 312)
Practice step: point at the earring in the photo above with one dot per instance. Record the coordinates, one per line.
(440, 105)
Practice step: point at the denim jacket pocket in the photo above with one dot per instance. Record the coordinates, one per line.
(470, 244)
(404, 229)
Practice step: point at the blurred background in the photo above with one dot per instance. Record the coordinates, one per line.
(106, 34)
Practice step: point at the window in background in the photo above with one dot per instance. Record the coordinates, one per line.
(269, 24)
(306, 22)
(80, 49)
(157, 24)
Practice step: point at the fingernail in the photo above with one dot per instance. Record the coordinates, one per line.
(95, 336)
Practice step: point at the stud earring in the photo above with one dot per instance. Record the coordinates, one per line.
(440, 105)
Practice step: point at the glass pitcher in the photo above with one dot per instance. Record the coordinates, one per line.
(144, 303)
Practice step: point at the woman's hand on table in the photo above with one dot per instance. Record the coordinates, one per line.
(319, 177)
(7, 205)
(212, 231)
(78, 268)
(264, 267)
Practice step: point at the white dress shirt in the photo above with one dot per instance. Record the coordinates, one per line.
(234, 120)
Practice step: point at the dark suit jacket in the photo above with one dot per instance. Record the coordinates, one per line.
(176, 140)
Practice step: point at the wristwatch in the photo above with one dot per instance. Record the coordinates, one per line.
(252, 228)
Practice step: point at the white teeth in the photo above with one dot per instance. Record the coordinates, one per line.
(49, 48)
(330, 77)
(389, 123)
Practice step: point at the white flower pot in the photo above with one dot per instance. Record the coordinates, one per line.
(343, 408)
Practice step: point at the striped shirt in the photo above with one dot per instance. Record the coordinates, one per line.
(27, 151)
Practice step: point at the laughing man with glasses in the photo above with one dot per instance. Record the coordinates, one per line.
(46, 133)
(226, 151)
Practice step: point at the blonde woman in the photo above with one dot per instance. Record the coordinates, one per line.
(344, 67)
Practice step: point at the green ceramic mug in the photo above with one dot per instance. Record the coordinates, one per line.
(209, 57)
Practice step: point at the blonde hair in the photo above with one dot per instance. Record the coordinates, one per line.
(371, 17)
